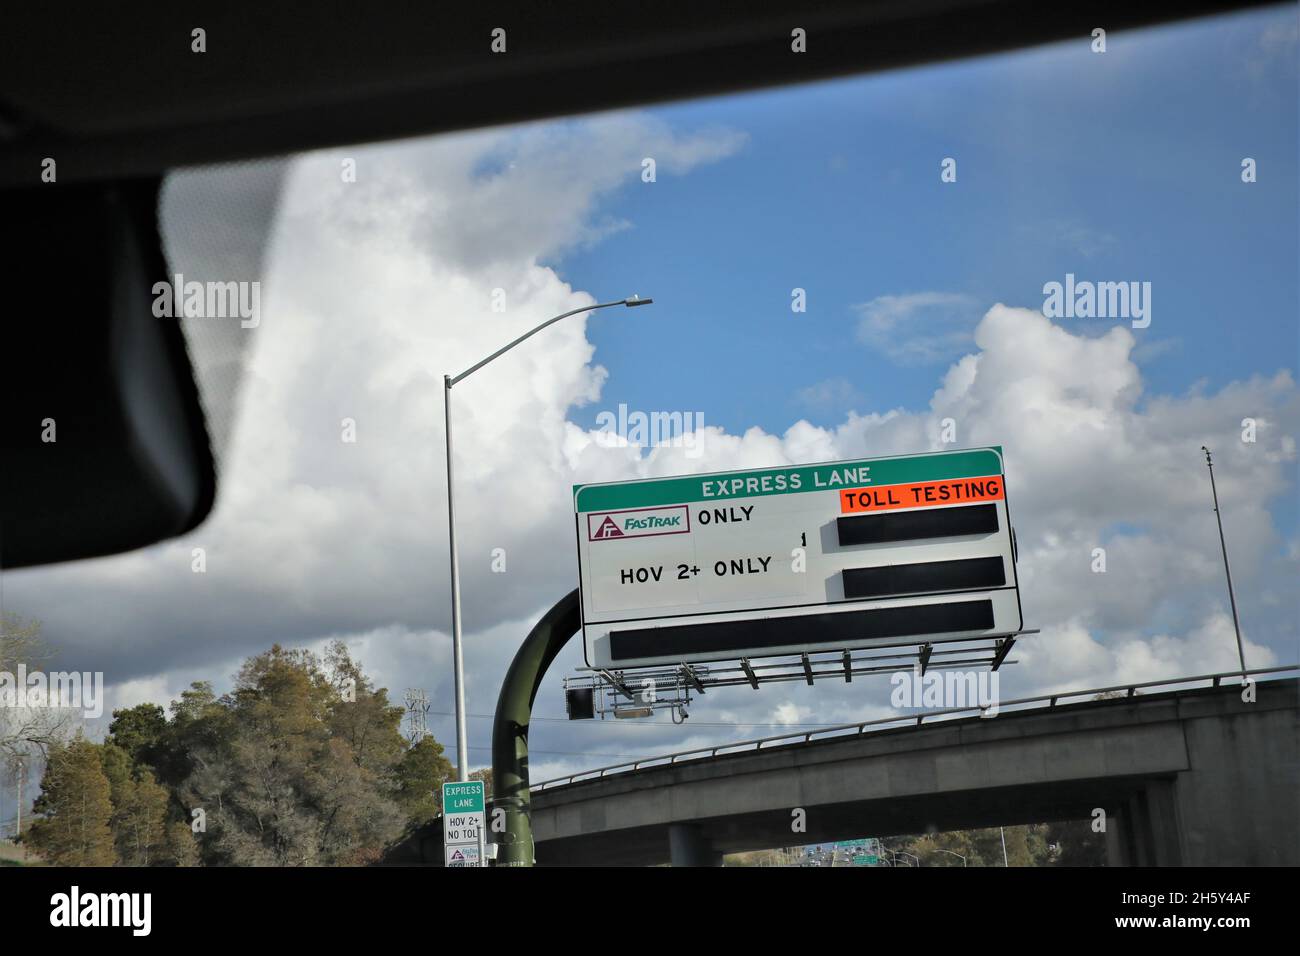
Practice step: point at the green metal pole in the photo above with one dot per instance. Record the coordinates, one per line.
(510, 729)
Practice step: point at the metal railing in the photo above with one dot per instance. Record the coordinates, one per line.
(1044, 701)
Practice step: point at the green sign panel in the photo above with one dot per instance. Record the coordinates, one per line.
(462, 797)
(721, 486)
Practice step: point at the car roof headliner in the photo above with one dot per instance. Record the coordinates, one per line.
(113, 91)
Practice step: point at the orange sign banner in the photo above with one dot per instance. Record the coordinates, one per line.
(924, 494)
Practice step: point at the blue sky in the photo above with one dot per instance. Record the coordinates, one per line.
(1116, 166)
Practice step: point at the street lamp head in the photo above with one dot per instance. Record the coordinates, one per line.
(636, 300)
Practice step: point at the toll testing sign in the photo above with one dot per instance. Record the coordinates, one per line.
(784, 560)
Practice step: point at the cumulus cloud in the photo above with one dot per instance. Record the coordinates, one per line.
(375, 289)
(829, 394)
(921, 328)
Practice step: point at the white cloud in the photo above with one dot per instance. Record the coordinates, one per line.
(922, 328)
(829, 394)
(1072, 234)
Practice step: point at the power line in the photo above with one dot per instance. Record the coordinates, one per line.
(694, 723)
(577, 753)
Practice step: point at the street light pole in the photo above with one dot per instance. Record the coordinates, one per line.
(457, 661)
(457, 652)
(1232, 598)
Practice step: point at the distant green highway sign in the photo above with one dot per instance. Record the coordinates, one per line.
(463, 810)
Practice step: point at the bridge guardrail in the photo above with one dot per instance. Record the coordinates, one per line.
(1044, 701)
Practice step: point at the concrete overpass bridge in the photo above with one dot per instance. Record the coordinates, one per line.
(1186, 775)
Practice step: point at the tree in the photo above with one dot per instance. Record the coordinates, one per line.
(201, 725)
(420, 775)
(755, 858)
(140, 731)
(1026, 846)
(139, 821)
(484, 774)
(361, 716)
(75, 808)
(302, 763)
(26, 733)
(1077, 844)
(295, 767)
(181, 848)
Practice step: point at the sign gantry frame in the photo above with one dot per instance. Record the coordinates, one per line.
(638, 692)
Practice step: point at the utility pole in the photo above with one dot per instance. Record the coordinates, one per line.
(18, 831)
(1003, 831)
(1232, 597)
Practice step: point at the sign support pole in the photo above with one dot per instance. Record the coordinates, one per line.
(510, 729)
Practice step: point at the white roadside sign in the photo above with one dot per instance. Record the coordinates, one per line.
(778, 561)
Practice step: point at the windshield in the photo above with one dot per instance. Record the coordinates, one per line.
(1086, 258)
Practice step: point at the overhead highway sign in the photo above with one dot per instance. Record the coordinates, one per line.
(778, 561)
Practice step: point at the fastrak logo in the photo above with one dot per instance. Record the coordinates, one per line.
(638, 523)
(134, 910)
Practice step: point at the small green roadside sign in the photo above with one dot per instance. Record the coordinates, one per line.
(463, 811)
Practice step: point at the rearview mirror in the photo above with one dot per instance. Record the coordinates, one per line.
(103, 446)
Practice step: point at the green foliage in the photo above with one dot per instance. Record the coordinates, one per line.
(420, 775)
(1076, 843)
(1025, 846)
(75, 808)
(757, 858)
(140, 822)
(140, 732)
(484, 774)
(292, 768)
(302, 763)
(181, 849)
(27, 734)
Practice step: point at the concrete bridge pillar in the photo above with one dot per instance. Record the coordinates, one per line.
(1117, 836)
(689, 846)
(1144, 830)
